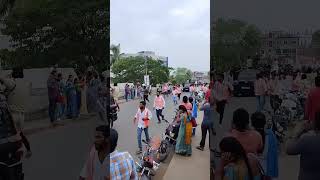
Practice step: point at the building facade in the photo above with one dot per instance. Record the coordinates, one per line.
(151, 55)
(279, 45)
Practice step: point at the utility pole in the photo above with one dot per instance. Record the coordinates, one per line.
(145, 64)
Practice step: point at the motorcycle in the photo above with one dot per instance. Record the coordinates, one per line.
(149, 162)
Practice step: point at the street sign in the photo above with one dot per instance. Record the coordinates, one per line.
(146, 80)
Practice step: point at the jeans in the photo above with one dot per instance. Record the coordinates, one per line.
(60, 110)
(127, 96)
(139, 132)
(159, 114)
(52, 110)
(78, 102)
(72, 106)
(260, 103)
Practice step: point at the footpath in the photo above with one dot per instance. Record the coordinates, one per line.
(196, 166)
(34, 126)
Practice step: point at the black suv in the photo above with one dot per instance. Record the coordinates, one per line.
(244, 85)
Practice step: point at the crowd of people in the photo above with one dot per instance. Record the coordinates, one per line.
(77, 94)
(250, 149)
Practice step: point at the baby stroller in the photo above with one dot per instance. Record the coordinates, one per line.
(172, 130)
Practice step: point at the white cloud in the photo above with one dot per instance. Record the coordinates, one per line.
(177, 29)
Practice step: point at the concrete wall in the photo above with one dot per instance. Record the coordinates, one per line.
(36, 102)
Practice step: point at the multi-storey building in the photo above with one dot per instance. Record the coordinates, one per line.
(283, 46)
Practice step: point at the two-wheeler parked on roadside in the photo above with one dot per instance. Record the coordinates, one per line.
(149, 162)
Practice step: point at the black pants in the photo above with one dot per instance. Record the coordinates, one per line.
(146, 98)
(179, 96)
(204, 130)
(159, 114)
(52, 109)
(275, 102)
(220, 109)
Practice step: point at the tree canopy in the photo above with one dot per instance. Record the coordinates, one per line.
(71, 33)
(233, 42)
(132, 69)
(181, 75)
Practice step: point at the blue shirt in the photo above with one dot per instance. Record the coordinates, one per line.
(208, 116)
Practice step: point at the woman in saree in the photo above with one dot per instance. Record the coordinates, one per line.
(235, 163)
(183, 145)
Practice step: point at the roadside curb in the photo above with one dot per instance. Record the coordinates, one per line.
(47, 125)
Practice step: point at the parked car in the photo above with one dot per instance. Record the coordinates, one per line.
(186, 88)
(244, 85)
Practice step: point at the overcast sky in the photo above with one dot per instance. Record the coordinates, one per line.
(271, 14)
(179, 29)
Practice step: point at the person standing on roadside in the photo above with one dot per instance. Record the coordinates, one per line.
(179, 91)
(127, 92)
(142, 119)
(274, 91)
(53, 93)
(71, 98)
(207, 122)
(250, 139)
(159, 105)
(261, 89)
(186, 103)
(306, 143)
(175, 96)
(312, 104)
(61, 98)
(220, 96)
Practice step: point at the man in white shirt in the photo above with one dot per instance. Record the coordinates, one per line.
(142, 119)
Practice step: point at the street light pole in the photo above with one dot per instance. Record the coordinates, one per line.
(145, 64)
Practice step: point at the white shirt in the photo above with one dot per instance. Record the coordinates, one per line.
(100, 170)
(140, 115)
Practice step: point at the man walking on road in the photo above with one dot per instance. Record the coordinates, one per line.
(159, 104)
(220, 96)
(142, 119)
(145, 94)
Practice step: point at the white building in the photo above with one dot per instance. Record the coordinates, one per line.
(149, 54)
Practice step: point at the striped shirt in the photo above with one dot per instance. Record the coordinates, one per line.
(122, 166)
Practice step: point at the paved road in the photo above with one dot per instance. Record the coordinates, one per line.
(288, 165)
(60, 153)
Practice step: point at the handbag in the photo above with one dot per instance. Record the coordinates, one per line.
(193, 122)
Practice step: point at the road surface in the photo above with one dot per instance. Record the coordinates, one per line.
(61, 152)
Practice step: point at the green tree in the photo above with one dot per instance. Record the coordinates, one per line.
(6, 6)
(132, 69)
(115, 53)
(233, 42)
(182, 75)
(69, 33)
